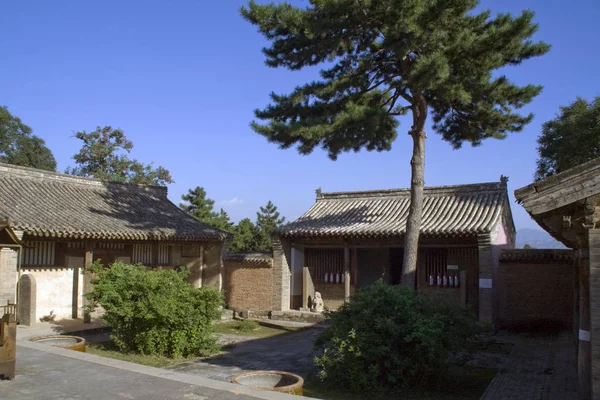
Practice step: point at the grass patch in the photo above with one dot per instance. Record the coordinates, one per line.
(461, 383)
(260, 329)
(108, 349)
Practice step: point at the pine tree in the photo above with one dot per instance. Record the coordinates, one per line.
(18, 146)
(222, 221)
(245, 236)
(202, 208)
(267, 219)
(104, 155)
(384, 59)
(571, 139)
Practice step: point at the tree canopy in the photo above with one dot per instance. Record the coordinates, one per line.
(18, 146)
(570, 139)
(383, 59)
(105, 155)
(267, 219)
(246, 236)
(202, 208)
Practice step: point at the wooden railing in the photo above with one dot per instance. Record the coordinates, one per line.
(11, 310)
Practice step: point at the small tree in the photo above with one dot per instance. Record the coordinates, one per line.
(385, 59)
(246, 236)
(18, 146)
(104, 155)
(202, 208)
(267, 219)
(571, 139)
(155, 312)
(528, 246)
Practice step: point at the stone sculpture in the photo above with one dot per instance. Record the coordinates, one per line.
(317, 303)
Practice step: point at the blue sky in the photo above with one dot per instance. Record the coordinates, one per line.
(182, 80)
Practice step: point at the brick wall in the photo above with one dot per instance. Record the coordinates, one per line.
(248, 286)
(535, 289)
(594, 246)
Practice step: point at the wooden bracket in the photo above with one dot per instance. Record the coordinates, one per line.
(567, 222)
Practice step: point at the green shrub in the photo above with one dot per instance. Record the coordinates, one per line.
(247, 325)
(388, 337)
(156, 312)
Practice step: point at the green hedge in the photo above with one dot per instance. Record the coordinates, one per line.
(388, 337)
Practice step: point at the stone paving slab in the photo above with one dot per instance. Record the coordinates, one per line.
(49, 373)
(24, 333)
(537, 368)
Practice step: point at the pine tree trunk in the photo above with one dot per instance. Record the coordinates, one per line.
(415, 211)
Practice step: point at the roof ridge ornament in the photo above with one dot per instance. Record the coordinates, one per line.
(504, 180)
(319, 193)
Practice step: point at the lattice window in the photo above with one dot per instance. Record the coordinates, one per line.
(142, 253)
(163, 254)
(435, 262)
(321, 261)
(39, 253)
(110, 246)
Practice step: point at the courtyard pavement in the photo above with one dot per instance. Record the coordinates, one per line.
(291, 352)
(51, 373)
(537, 368)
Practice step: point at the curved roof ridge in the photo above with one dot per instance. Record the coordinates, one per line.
(432, 190)
(16, 171)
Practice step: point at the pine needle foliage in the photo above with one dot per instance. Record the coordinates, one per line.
(383, 59)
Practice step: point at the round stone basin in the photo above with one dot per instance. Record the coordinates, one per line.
(277, 381)
(68, 342)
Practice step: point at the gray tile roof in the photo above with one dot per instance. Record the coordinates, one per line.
(537, 255)
(49, 204)
(249, 257)
(448, 211)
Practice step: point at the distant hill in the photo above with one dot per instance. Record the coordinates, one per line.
(537, 238)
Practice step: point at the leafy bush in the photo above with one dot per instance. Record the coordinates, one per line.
(156, 312)
(388, 337)
(247, 325)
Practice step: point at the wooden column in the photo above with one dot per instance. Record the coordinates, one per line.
(576, 298)
(305, 278)
(88, 259)
(201, 273)
(155, 254)
(354, 268)
(346, 272)
(484, 251)
(463, 288)
(584, 362)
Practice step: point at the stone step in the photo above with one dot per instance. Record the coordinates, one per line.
(297, 316)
